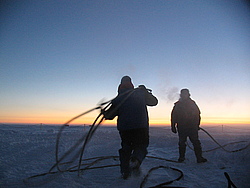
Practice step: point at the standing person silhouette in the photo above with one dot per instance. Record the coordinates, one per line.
(132, 124)
(186, 116)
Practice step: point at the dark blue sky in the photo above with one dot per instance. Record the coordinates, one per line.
(59, 58)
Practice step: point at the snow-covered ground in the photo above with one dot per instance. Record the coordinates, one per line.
(30, 150)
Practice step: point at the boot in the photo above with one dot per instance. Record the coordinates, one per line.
(125, 175)
(201, 160)
(134, 163)
(124, 163)
(182, 151)
(198, 154)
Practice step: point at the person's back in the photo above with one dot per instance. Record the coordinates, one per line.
(186, 113)
(132, 113)
(131, 108)
(186, 116)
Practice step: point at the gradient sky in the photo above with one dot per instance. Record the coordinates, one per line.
(60, 58)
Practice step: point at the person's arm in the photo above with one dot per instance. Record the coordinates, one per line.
(198, 117)
(151, 100)
(173, 121)
(110, 113)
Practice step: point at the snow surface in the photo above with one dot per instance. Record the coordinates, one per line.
(30, 150)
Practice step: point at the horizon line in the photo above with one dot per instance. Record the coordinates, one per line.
(114, 125)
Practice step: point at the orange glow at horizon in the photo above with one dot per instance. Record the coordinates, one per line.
(156, 117)
(90, 120)
(47, 120)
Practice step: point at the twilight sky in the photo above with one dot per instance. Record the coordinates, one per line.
(60, 58)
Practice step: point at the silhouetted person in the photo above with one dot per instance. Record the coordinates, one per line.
(186, 116)
(132, 124)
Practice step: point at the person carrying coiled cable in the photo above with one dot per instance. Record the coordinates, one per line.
(132, 123)
(186, 116)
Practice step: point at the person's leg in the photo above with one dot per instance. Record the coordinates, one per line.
(125, 153)
(182, 144)
(139, 144)
(194, 138)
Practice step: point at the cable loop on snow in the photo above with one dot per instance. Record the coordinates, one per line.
(84, 140)
(222, 146)
(165, 183)
(229, 181)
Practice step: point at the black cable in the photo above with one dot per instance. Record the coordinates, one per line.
(93, 127)
(59, 136)
(88, 137)
(165, 183)
(162, 159)
(90, 166)
(230, 183)
(85, 139)
(58, 160)
(222, 146)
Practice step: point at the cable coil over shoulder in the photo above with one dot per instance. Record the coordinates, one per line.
(56, 169)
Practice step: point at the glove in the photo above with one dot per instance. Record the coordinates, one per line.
(145, 89)
(110, 113)
(173, 129)
(102, 111)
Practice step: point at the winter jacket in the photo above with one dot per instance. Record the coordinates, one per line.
(132, 108)
(186, 114)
